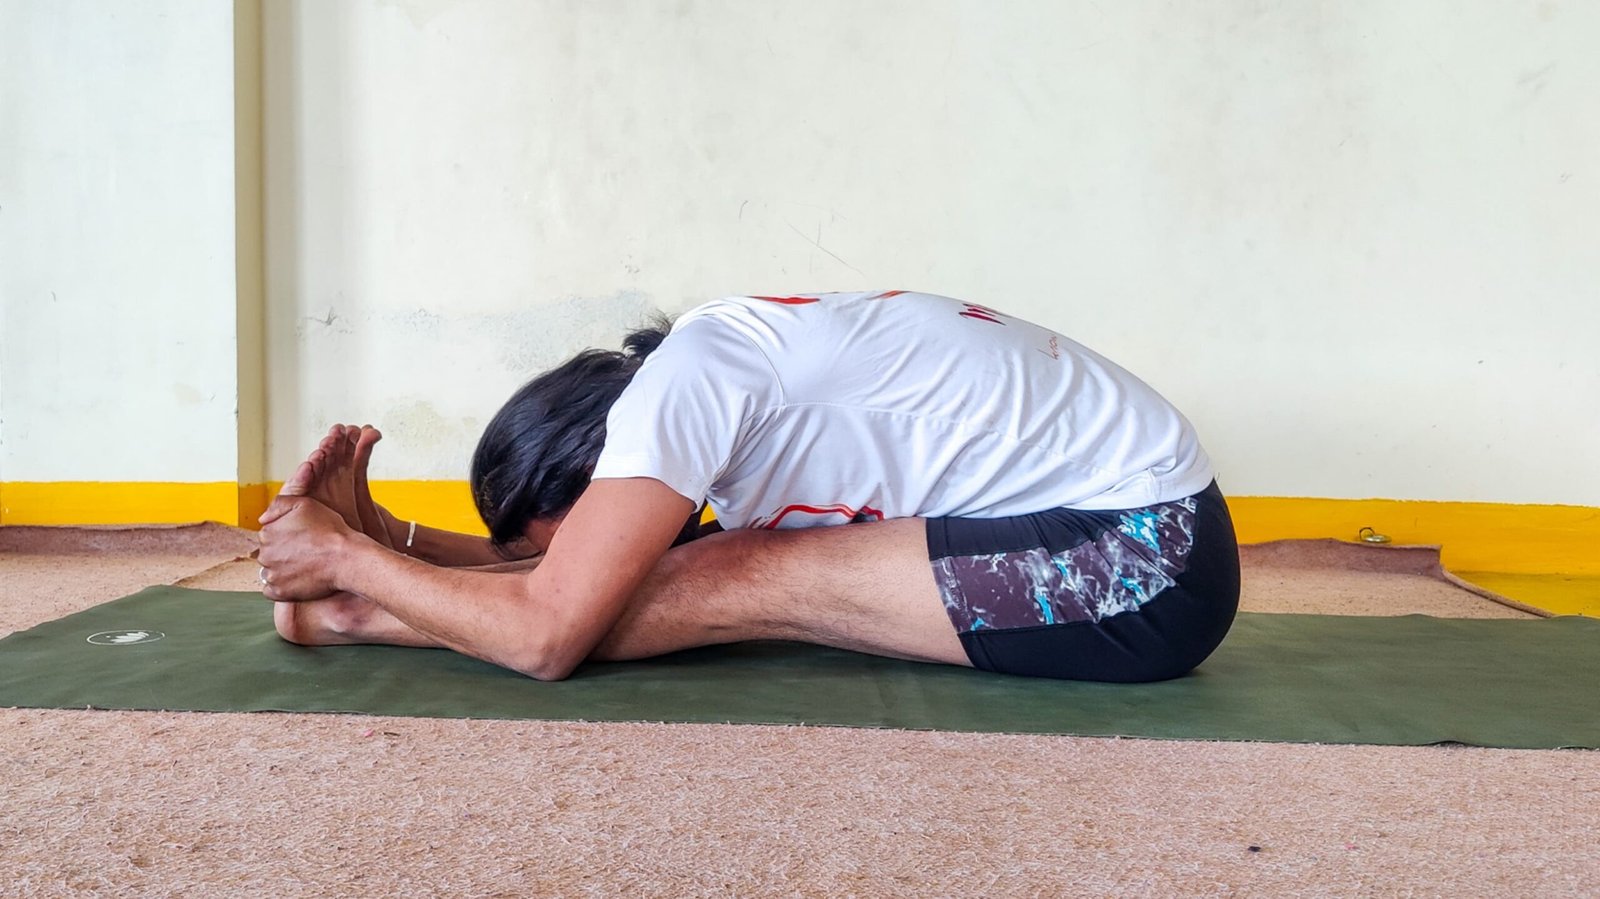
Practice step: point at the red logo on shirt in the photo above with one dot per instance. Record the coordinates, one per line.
(789, 301)
(981, 313)
(819, 516)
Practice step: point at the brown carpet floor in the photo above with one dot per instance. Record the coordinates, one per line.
(189, 804)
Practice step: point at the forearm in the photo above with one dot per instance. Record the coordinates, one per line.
(440, 547)
(487, 615)
(517, 565)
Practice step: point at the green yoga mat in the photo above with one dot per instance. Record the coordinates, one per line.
(1291, 678)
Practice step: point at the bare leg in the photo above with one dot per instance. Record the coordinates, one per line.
(865, 587)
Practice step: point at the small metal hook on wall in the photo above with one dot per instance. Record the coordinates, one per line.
(1368, 535)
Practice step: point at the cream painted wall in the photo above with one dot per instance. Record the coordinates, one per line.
(117, 282)
(1356, 242)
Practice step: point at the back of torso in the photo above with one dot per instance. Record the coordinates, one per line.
(855, 406)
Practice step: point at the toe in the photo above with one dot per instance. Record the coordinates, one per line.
(368, 437)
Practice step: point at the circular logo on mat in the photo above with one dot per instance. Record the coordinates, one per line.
(124, 638)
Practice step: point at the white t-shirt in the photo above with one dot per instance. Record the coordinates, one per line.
(822, 409)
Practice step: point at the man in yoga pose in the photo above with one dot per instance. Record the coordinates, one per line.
(894, 473)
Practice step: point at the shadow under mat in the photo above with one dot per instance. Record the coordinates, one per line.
(1408, 680)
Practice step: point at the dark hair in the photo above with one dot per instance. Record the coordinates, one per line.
(536, 455)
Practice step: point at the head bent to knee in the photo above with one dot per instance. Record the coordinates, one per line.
(537, 453)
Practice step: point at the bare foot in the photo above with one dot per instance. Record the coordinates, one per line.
(319, 477)
(336, 488)
(340, 620)
(335, 474)
(320, 622)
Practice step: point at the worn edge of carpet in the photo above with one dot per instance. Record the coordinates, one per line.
(207, 537)
(1421, 559)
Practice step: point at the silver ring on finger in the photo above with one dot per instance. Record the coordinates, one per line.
(265, 580)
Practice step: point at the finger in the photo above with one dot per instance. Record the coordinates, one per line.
(271, 549)
(269, 552)
(281, 506)
(288, 592)
(305, 476)
(299, 484)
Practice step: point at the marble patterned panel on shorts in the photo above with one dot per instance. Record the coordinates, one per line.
(1138, 556)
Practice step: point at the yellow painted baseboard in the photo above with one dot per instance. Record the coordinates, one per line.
(446, 504)
(95, 502)
(439, 504)
(1522, 539)
(253, 500)
(1496, 537)
(1555, 593)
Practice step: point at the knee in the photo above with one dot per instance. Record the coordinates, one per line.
(729, 555)
(717, 580)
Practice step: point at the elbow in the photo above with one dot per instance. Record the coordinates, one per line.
(549, 642)
(543, 663)
(546, 670)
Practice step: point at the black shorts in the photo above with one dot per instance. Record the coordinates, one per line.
(1126, 596)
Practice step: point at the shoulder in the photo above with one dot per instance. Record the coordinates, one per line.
(710, 355)
(746, 317)
(713, 336)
